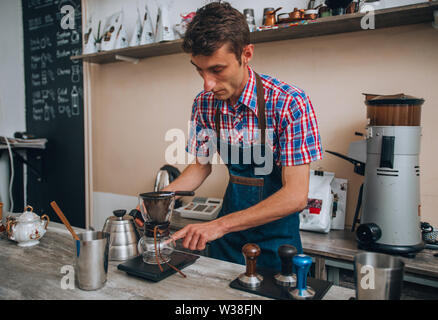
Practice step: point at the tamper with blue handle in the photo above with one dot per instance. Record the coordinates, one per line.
(302, 264)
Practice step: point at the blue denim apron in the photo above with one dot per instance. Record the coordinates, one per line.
(245, 189)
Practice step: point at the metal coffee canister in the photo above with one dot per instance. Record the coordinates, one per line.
(264, 14)
(249, 16)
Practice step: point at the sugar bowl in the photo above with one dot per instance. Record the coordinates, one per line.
(28, 228)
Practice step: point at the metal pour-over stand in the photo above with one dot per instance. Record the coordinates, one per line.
(159, 258)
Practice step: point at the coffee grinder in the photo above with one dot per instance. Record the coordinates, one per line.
(389, 160)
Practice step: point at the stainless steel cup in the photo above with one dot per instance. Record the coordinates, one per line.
(91, 265)
(249, 16)
(378, 276)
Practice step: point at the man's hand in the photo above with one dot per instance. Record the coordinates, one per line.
(292, 197)
(197, 235)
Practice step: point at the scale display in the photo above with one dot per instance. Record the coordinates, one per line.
(201, 208)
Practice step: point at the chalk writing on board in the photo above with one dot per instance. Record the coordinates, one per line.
(38, 4)
(55, 80)
(75, 52)
(63, 38)
(75, 101)
(48, 94)
(49, 112)
(39, 43)
(37, 113)
(63, 72)
(63, 95)
(36, 81)
(46, 58)
(36, 98)
(40, 22)
(62, 53)
(76, 73)
(75, 37)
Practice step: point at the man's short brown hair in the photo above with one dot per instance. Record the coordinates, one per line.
(214, 25)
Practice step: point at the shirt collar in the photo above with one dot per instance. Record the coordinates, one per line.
(248, 97)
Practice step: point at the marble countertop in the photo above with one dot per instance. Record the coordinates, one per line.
(35, 273)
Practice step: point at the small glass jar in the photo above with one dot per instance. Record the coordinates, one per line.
(164, 245)
(249, 16)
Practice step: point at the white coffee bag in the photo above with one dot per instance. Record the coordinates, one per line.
(164, 31)
(317, 215)
(89, 39)
(121, 36)
(111, 29)
(148, 34)
(136, 36)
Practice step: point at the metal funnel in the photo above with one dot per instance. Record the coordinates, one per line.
(157, 206)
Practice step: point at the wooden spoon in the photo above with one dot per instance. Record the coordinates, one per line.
(64, 219)
(67, 224)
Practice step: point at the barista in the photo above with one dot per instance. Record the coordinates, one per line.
(266, 140)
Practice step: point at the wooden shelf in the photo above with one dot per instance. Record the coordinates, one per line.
(405, 15)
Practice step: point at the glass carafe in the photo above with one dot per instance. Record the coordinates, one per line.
(164, 247)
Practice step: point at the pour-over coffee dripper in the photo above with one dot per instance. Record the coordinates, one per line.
(156, 209)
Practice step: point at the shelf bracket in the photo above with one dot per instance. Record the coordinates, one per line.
(127, 59)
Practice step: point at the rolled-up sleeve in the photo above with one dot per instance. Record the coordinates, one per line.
(299, 139)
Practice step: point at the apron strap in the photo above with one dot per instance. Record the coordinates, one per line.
(261, 115)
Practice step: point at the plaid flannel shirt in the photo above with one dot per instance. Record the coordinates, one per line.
(292, 129)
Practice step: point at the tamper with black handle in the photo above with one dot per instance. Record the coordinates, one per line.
(286, 278)
(250, 279)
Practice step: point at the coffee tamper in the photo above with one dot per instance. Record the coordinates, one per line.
(286, 277)
(250, 278)
(302, 291)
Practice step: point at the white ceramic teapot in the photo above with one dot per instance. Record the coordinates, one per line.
(28, 228)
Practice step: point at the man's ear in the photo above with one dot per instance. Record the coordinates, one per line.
(247, 53)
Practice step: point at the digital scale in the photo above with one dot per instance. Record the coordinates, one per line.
(201, 208)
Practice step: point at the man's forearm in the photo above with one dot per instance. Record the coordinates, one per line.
(191, 178)
(277, 206)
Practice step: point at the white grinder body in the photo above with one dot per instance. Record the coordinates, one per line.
(391, 194)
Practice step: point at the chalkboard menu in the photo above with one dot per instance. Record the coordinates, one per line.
(52, 32)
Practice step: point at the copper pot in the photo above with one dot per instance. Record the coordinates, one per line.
(293, 16)
(311, 14)
(352, 8)
(270, 17)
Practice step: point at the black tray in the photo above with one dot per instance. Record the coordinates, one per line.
(269, 288)
(136, 267)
